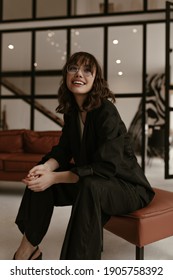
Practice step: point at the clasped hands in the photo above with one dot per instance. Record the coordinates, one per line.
(40, 178)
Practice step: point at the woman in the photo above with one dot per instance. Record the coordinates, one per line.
(104, 179)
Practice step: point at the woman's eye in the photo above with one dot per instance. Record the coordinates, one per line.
(72, 68)
(87, 70)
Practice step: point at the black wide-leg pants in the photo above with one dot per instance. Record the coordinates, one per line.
(93, 201)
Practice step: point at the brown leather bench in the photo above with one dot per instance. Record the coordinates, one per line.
(147, 225)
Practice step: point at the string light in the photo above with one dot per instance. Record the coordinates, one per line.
(120, 73)
(135, 30)
(11, 47)
(118, 61)
(115, 42)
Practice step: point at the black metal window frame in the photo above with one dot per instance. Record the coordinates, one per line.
(33, 74)
(168, 87)
(69, 13)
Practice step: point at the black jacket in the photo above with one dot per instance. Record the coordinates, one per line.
(105, 149)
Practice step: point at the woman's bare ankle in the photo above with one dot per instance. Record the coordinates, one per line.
(25, 250)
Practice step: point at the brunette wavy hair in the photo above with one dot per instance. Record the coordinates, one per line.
(100, 89)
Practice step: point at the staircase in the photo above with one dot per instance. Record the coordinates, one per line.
(18, 92)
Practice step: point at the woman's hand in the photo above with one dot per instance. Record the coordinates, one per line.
(40, 179)
(41, 176)
(36, 176)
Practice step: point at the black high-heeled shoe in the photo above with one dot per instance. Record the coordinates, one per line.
(33, 253)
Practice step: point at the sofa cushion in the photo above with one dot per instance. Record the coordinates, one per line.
(21, 162)
(40, 142)
(3, 156)
(11, 141)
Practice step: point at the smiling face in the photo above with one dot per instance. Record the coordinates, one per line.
(80, 79)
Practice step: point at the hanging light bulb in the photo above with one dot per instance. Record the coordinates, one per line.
(120, 73)
(118, 61)
(115, 42)
(11, 47)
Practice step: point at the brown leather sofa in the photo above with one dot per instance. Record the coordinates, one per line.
(21, 149)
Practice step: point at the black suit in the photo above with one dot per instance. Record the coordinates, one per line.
(111, 183)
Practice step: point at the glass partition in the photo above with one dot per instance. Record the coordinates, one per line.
(47, 85)
(132, 119)
(23, 9)
(17, 85)
(21, 118)
(125, 5)
(50, 49)
(88, 39)
(156, 4)
(45, 115)
(84, 7)
(155, 48)
(16, 51)
(125, 64)
(155, 92)
(133, 105)
(51, 8)
(17, 9)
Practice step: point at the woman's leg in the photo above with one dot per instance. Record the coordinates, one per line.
(35, 213)
(97, 200)
(27, 251)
